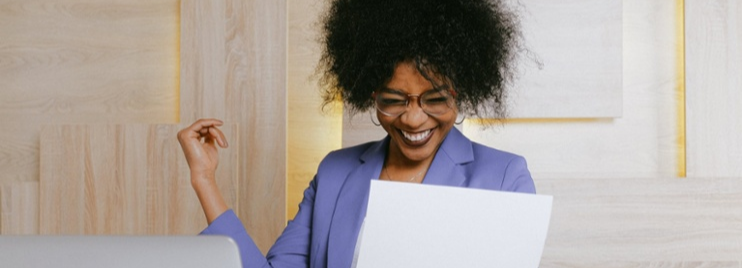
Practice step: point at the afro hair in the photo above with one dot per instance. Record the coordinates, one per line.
(470, 43)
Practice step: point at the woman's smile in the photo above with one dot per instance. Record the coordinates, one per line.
(419, 138)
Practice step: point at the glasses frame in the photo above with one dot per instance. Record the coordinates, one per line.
(410, 96)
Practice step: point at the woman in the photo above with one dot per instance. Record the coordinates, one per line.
(418, 64)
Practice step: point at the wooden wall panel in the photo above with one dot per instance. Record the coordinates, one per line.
(644, 220)
(234, 68)
(19, 208)
(714, 87)
(122, 179)
(80, 61)
(312, 132)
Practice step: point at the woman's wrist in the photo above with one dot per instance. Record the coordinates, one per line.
(209, 195)
(203, 179)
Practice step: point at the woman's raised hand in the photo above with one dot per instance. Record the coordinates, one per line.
(199, 142)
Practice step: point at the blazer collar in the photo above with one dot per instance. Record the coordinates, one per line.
(350, 208)
(455, 150)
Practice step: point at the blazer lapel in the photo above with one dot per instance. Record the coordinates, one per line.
(350, 208)
(446, 169)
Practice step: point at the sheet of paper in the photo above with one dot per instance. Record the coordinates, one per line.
(412, 225)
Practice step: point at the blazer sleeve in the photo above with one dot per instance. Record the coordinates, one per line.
(229, 225)
(517, 177)
(290, 250)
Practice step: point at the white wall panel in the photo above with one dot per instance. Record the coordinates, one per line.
(642, 143)
(714, 87)
(578, 45)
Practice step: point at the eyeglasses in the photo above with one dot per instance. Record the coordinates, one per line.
(433, 102)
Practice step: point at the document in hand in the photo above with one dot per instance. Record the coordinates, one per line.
(413, 225)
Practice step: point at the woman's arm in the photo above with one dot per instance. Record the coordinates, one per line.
(199, 142)
(517, 177)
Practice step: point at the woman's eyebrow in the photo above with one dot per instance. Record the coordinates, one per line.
(439, 87)
(391, 90)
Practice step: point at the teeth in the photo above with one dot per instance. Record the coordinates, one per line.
(418, 136)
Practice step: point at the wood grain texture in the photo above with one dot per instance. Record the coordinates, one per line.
(73, 60)
(312, 132)
(122, 179)
(642, 220)
(81, 61)
(714, 65)
(642, 143)
(19, 208)
(19, 154)
(233, 60)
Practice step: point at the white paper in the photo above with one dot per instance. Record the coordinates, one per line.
(413, 225)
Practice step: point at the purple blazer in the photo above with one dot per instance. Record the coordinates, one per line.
(325, 230)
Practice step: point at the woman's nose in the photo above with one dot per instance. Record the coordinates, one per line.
(414, 116)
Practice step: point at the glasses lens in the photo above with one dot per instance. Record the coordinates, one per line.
(436, 102)
(391, 103)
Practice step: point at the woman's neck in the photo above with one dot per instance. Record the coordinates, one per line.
(396, 169)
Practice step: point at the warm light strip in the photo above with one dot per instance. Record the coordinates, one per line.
(680, 90)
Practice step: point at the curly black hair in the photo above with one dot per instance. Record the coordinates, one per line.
(470, 43)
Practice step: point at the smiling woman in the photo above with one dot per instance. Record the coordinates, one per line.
(418, 64)
(416, 129)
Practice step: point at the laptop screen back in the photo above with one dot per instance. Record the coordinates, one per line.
(118, 251)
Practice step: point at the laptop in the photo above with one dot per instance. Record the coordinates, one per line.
(118, 251)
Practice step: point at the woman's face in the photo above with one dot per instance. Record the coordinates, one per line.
(415, 135)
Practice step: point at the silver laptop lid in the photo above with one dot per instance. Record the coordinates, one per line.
(118, 251)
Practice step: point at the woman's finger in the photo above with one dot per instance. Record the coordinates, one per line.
(199, 130)
(206, 129)
(218, 135)
(205, 123)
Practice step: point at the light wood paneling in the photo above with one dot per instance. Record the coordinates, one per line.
(233, 58)
(81, 61)
(19, 156)
(644, 221)
(19, 208)
(123, 179)
(714, 87)
(312, 133)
